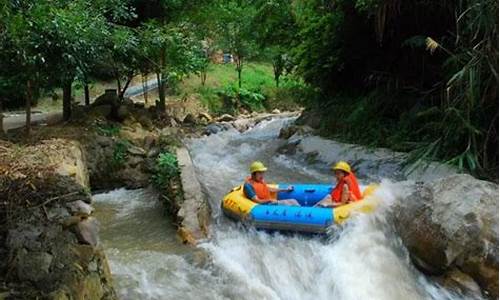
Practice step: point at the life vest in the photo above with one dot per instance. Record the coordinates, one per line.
(352, 184)
(261, 189)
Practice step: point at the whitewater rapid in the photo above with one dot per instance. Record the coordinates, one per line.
(363, 259)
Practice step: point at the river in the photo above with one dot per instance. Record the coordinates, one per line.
(362, 260)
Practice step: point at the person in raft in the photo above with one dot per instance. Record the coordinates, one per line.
(256, 189)
(346, 190)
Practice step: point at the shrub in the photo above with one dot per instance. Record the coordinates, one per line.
(108, 129)
(166, 169)
(120, 153)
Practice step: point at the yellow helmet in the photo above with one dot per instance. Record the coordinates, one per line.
(257, 166)
(343, 166)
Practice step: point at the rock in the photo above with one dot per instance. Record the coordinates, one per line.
(216, 128)
(150, 141)
(133, 178)
(59, 295)
(122, 112)
(153, 152)
(24, 237)
(452, 222)
(58, 212)
(189, 119)
(192, 227)
(276, 111)
(87, 231)
(460, 283)
(225, 118)
(243, 124)
(70, 221)
(110, 98)
(145, 120)
(79, 208)
(173, 122)
(134, 133)
(133, 161)
(104, 141)
(100, 112)
(205, 116)
(310, 118)
(134, 150)
(289, 148)
(287, 132)
(33, 266)
(128, 102)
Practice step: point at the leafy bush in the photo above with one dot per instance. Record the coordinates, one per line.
(234, 98)
(120, 153)
(108, 129)
(166, 169)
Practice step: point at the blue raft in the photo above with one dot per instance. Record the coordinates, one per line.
(293, 218)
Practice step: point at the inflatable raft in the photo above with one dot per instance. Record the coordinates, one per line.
(305, 218)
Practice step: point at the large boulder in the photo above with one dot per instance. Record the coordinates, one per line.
(110, 97)
(452, 222)
(311, 118)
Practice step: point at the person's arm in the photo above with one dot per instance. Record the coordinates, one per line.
(345, 194)
(275, 190)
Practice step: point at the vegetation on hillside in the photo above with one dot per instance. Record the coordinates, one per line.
(417, 76)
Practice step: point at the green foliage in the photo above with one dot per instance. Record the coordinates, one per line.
(407, 75)
(108, 129)
(166, 169)
(119, 153)
(234, 98)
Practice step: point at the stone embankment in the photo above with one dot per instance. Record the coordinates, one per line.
(50, 245)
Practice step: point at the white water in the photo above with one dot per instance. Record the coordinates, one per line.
(361, 260)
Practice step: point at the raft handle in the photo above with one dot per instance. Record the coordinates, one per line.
(310, 190)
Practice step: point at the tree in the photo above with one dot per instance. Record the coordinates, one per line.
(234, 29)
(24, 48)
(124, 57)
(172, 51)
(275, 30)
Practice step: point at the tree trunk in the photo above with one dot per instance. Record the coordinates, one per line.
(239, 77)
(87, 94)
(1, 117)
(161, 92)
(239, 68)
(145, 88)
(277, 74)
(118, 83)
(122, 92)
(203, 77)
(67, 100)
(29, 99)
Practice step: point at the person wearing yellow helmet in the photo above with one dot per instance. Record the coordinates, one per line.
(346, 190)
(257, 190)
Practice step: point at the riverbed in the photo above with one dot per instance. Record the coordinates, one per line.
(361, 260)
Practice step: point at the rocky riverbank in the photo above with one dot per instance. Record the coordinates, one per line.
(450, 228)
(447, 221)
(49, 238)
(50, 245)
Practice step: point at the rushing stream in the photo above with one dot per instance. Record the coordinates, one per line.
(362, 260)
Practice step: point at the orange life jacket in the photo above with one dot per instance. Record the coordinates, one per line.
(352, 184)
(261, 189)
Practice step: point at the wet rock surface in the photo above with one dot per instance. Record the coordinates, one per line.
(452, 223)
(47, 187)
(193, 213)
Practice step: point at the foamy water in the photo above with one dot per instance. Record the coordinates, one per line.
(363, 259)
